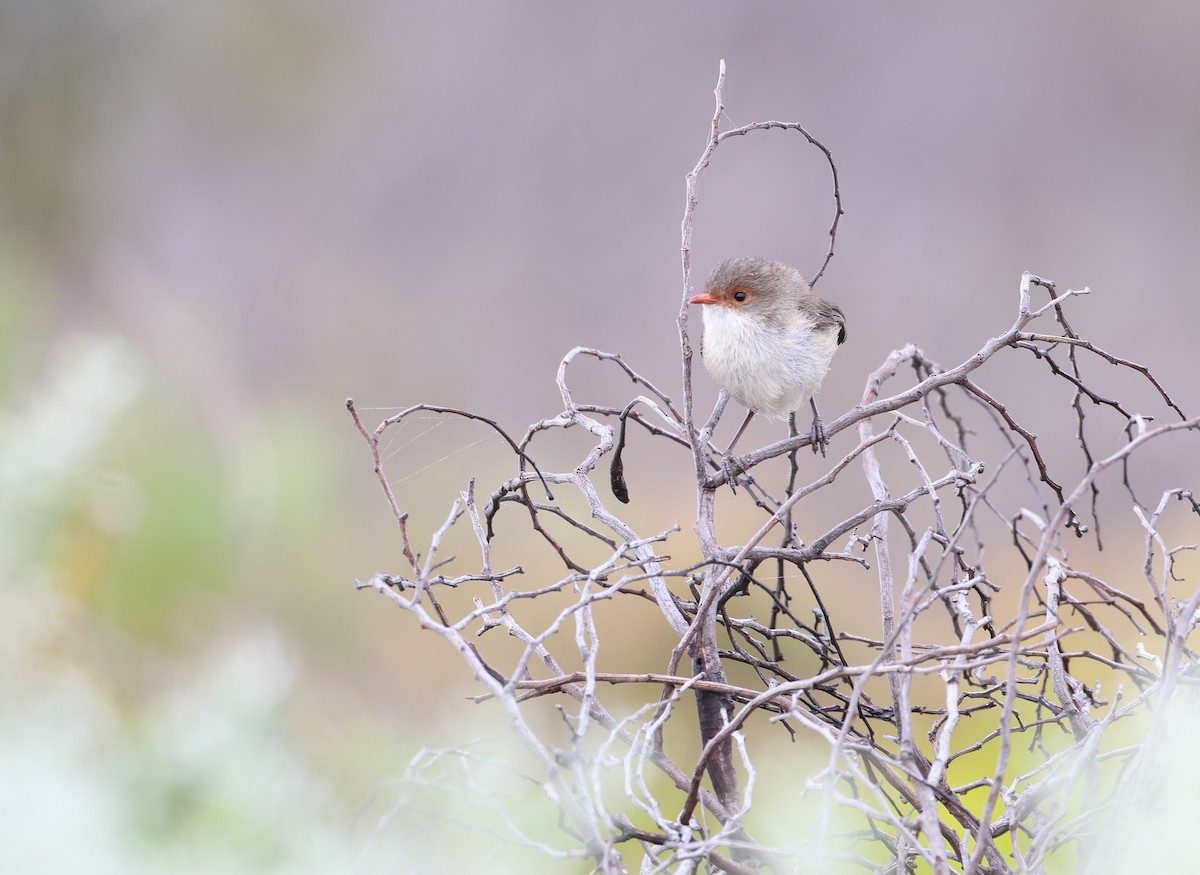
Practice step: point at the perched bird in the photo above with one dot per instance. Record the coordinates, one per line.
(768, 340)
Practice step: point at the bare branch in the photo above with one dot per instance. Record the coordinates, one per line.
(996, 632)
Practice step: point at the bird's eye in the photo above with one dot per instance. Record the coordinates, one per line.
(741, 295)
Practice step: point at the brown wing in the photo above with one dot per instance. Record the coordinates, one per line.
(829, 316)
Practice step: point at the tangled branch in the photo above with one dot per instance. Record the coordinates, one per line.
(962, 724)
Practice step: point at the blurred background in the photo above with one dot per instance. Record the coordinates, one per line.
(220, 219)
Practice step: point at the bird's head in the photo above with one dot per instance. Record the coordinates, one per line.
(754, 286)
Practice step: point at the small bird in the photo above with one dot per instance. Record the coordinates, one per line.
(768, 340)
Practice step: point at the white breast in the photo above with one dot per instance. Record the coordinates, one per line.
(770, 369)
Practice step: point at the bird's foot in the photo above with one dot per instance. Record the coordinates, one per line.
(732, 466)
(819, 439)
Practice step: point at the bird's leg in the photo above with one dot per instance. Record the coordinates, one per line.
(819, 440)
(740, 431)
(729, 461)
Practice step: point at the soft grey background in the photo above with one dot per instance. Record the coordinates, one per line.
(434, 201)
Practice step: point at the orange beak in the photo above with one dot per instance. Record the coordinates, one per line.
(705, 298)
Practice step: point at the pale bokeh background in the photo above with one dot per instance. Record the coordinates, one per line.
(217, 220)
